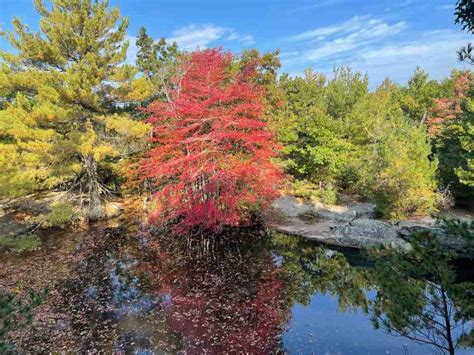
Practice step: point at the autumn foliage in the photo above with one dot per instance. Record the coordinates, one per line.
(212, 161)
(451, 127)
(447, 109)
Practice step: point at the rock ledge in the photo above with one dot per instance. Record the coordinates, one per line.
(352, 225)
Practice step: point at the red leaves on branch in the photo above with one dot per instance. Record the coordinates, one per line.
(212, 161)
(446, 109)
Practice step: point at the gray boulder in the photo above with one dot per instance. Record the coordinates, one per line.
(371, 233)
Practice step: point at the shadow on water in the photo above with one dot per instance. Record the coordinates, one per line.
(132, 292)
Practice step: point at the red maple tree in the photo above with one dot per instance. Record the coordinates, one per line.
(212, 163)
(447, 109)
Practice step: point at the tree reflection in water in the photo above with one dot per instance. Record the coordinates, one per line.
(156, 293)
(415, 295)
(309, 269)
(418, 296)
(238, 297)
(226, 299)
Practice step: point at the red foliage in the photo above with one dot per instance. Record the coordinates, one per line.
(230, 323)
(212, 160)
(229, 306)
(446, 109)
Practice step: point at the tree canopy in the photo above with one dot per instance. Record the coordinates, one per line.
(212, 163)
(62, 92)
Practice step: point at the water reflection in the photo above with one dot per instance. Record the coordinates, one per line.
(249, 293)
(229, 299)
(418, 296)
(309, 269)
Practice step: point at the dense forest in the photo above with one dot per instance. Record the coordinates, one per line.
(214, 135)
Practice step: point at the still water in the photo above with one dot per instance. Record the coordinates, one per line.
(115, 290)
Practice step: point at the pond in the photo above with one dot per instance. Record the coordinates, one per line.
(122, 290)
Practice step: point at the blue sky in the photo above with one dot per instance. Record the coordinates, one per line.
(379, 37)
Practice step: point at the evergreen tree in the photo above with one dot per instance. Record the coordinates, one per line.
(265, 66)
(344, 90)
(157, 62)
(313, 147)
(63, 92)
(417, 98)
(418, 297)
(464, 15)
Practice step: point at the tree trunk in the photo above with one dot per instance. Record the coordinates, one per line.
(94, 210)
(447, 322)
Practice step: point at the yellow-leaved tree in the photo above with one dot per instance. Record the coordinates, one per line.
(63, 99)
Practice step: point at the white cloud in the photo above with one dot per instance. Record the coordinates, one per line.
(201, 36)
(321, 32)
(404, 3)
(434, 51)
(318, 4)
(246, 40)
(233, 36)
(196, 36)
(357, 32)
(289, 54)
(446, 7)
(132, 50)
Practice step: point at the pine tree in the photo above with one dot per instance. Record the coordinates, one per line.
(313, 146)
(157, 62)
(417, 98)
(62, 91)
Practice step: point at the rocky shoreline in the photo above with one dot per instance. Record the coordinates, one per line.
(353, 225)
(25, 214)
(350, 225)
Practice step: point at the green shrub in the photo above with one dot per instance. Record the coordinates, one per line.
(22, 243)
(392, 159)
(328, 195)
(304, 189)
(62, 213)
(310, 191)
(404, 180)
(459, 228)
